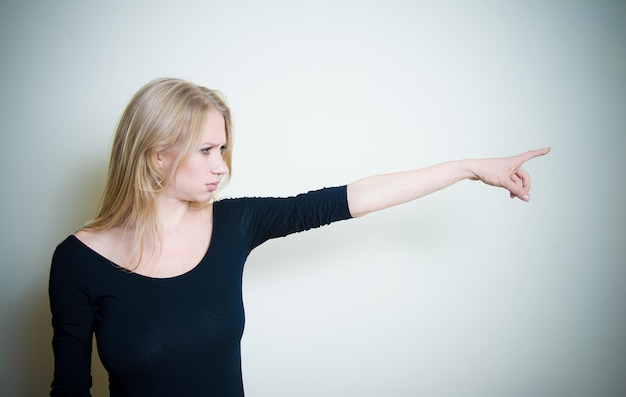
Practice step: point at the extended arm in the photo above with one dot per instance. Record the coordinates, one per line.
(382, 191)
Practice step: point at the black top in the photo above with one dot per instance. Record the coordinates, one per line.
(177, 336)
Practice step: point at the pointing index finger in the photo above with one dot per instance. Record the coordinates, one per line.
(531, 154)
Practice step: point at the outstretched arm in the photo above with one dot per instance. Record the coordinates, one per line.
(382, 191)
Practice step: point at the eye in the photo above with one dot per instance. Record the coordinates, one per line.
(207, 150)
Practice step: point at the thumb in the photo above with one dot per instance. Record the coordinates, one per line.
(517, 191)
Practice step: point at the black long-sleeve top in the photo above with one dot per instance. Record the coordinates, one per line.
(177, 336)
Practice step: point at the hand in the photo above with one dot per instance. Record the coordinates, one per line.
(507, 172)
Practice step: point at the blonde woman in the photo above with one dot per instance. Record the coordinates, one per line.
(156, 275)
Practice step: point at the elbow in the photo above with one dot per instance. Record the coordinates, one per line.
(357, 214)
(356, 206)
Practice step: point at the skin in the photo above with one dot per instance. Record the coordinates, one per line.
(187, 229)
(382, 191)
(199, 176)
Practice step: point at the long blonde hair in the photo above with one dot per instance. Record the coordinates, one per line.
(164, 114)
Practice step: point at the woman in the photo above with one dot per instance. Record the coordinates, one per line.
(157, 274)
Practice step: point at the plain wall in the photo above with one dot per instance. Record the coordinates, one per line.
(462, 293)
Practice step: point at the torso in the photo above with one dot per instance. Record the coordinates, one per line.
(182, 247)
(169, 336)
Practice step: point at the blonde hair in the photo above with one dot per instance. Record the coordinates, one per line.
(164, 114)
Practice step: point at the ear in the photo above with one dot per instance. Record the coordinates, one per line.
(160, 156)
(158, 160)
(164, 159)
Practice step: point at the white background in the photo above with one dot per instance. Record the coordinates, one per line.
(462, 293)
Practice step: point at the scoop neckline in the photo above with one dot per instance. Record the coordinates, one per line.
(139, 275)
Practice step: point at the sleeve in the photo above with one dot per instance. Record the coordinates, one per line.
(268, 218)
(72, 323)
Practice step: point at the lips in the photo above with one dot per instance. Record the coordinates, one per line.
(212, 186)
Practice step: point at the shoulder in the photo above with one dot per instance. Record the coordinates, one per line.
(229, 205)
(109, 243)
(66, 267)
(75, 262)
(93, 238)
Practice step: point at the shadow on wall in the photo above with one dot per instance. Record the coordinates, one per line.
(77, 198)
(37, 359)
(34, 336)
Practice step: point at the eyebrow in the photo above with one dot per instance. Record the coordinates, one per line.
(213, 143)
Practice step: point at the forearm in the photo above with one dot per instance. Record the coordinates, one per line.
(378, 192)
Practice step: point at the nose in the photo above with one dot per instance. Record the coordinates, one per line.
(219, 165)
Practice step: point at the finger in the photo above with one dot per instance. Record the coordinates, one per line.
(517, 181)
(531, 154)
(516, 190)
(523, 175)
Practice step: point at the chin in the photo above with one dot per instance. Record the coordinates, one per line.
(201, 198)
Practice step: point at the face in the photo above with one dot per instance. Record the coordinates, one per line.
(199, 176)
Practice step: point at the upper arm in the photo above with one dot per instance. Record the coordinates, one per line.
(72, 321)
(267, 218)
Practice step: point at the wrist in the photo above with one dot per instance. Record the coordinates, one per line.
(468, 169)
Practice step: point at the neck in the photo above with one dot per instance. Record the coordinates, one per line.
(172, 213)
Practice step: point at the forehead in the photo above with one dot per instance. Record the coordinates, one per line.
(214, 128)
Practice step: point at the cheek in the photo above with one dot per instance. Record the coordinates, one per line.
(184, 172)
(190, 169)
